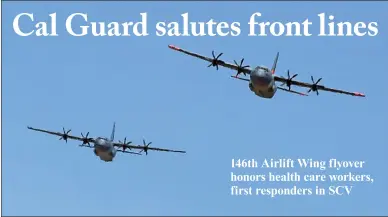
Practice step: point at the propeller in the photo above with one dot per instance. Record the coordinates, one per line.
(289, 79)
(85, 139)
(240, 67)
(145, 147)
(125, 143)
(215, 60)
(65, 135)
(314, 85)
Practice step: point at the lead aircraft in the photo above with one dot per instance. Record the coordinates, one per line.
(262, 80)
(103, 147)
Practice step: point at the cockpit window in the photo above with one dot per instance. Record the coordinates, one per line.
(101, 138)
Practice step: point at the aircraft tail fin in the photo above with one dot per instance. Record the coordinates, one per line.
(112, 136)
(275, 63)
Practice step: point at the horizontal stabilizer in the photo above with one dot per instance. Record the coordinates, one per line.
(292, 91)
(244, 79)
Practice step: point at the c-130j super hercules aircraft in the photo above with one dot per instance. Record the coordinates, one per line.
(263, 80)
(106, 148)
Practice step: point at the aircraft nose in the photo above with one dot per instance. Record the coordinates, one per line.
(259, 80)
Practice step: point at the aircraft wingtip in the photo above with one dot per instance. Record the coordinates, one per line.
(173, 47)
(359, 94)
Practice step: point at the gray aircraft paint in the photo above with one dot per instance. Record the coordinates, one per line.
(104, 148)
(262, 81)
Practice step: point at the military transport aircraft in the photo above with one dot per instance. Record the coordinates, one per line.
(262, 80)
(106, 148)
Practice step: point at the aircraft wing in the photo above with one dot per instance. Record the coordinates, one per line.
(215, 61)
(124, 146)
(65, 135)
(144, 147)
(314, 86)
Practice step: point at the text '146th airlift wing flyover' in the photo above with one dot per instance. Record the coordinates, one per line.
(263, 80)
(106, 148)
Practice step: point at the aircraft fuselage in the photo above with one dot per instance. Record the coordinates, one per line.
(104, 149)
(262, 83)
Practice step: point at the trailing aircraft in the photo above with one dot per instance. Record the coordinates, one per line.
(105, 148)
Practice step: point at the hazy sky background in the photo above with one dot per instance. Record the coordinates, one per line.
(152, 92)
